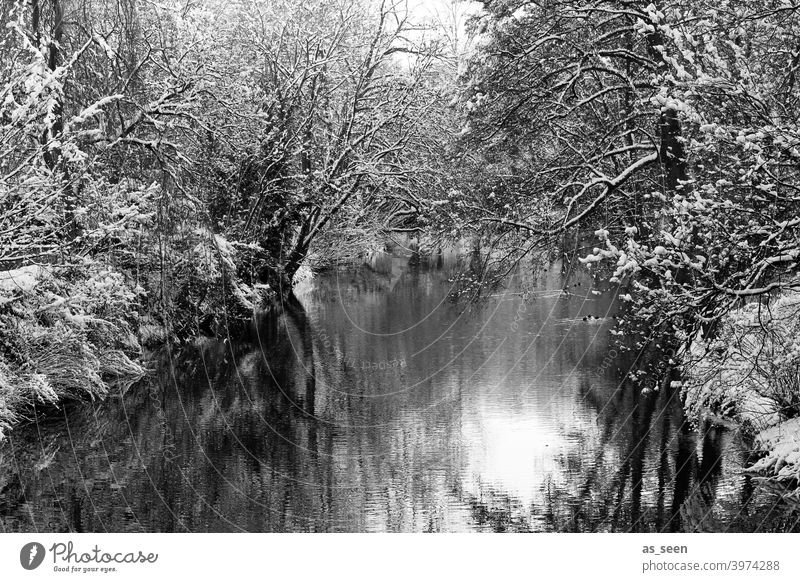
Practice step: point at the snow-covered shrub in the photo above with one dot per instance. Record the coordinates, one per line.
(65, 333)
(751, 371)
(8, 398)
(207, 286)
(781, 444)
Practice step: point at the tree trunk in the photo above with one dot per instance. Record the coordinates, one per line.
(672, 154)
(53, 155)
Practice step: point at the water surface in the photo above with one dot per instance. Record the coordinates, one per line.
(377, 404)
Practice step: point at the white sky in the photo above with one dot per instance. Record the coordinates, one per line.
(448, 15)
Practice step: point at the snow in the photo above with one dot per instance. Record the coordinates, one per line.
(23, 279)
(304, 273)
(520, 13)
(782, 444)
(95, 109)
(749, 374)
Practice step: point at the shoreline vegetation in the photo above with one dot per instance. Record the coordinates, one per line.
(750, 374)
(167, 170)
(67, 334)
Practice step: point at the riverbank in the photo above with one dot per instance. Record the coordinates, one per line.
(750, 374)
(68, 333)
(74, 328)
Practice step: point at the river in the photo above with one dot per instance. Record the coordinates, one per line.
(379, 404)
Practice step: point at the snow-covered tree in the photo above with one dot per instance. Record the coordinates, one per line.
(670, 131)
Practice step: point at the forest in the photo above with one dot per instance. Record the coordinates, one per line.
(173, 169)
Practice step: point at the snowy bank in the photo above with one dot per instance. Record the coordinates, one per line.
(750, 373)
(22, 280)
(781, 444)
(65, 333)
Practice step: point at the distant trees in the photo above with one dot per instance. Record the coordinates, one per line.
(333, 94)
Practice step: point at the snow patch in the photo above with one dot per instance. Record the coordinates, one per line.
(23, 279)
(782, 444)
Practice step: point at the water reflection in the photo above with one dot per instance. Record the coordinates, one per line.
(375, 404)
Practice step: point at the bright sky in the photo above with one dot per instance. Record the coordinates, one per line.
(432, 6)
(444, 10)
(448, 15)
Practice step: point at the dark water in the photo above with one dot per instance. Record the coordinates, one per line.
(378, 405)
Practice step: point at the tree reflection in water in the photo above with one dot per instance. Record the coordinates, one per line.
(372, 403)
